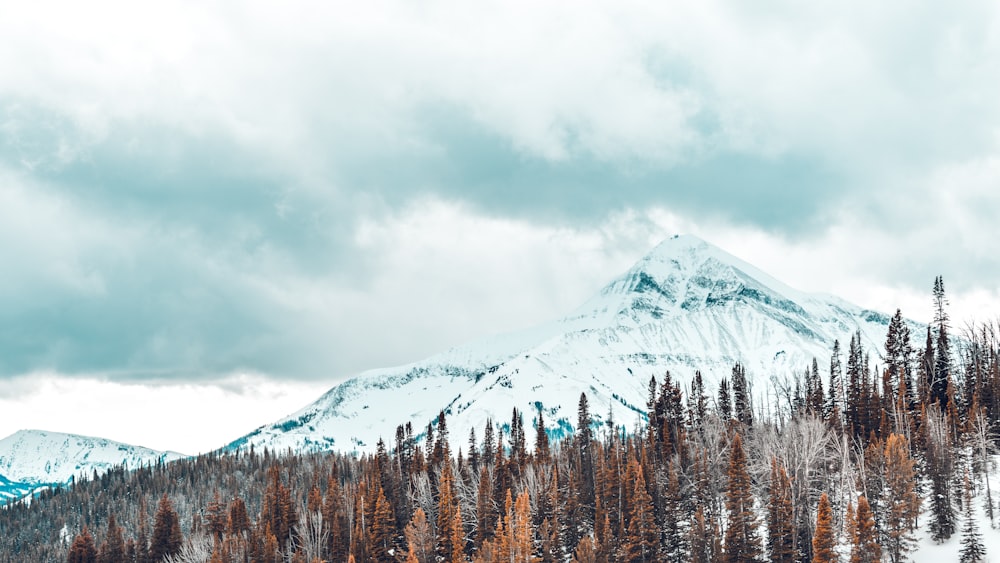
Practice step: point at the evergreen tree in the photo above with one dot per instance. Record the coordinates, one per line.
(701, 538)
(585, 449)
(382, 529)
(864, 545)
(742, 535)
(113, 548)
(641, 540)
(780, 517)
(541, 437)
(824, 539)
(167, 538)
(836, 390)
(942, 352)
(82, 550)
(446, 508)
(419, 537)
(856, 389)
(725, 404)
(742, 403)
(585, 551)
(973, 550)
(901, 500)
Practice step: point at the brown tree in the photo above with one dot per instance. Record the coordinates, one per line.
(864, 545)
(113, 548)
(419, 537)
(82, 550)
(780, 516)
(902, 505)
(167, 538)
(824, 539)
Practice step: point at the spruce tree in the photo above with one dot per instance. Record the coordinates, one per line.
(641, 540)
(824, 541)
(113, 548)
(725, 403)
(973, 550)
(167, 538)
(742, 544)
(865, 547)
(780, 518)
(82, 550)
(419, 537)
(446, 507)
(902, 505)
(742, 403)
(942, 352)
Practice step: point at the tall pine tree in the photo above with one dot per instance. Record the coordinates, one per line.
(742, 534)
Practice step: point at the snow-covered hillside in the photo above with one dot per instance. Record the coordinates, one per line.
(685, 306)
(30, 459)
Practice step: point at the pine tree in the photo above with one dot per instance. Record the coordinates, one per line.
(901, 500)
(216, 517)
(700, 538)
(541, 437)
(238, 521)
(585, 448)
(742, 535)
(82, 550)
(382, 529)
(742, 403)
(780, 517)
(167, 538)
(113, 548)
(419, 537)
(585, 551)
(641, 538)
(864, 546)
(725, 403)
(836, 390)
(446, 508)
(521, 536)
(675, 541)
(942, 364)
(973, 550)
(824, 540)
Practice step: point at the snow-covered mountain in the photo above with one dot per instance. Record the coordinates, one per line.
(34, 459)
(685, 306)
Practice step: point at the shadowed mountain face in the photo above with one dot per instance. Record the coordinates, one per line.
(685, 306)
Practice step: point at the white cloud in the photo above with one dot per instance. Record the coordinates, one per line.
(189, 418)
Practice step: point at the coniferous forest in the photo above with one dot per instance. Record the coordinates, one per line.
(840, 462)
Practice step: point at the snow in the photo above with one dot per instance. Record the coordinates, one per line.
(930, 552)
(686, 305)
(31, 460)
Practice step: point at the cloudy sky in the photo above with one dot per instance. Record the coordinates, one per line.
(211, 212)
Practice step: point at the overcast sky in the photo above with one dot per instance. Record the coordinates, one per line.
(211, 212)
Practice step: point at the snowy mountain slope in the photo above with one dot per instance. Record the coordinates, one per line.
(30, 459)
(685, 306)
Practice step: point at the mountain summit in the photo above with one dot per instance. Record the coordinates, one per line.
(685, 306)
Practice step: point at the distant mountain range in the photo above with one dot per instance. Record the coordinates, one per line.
(685, 306)
(31, 460)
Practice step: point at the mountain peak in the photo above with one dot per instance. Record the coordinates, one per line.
(689, 272)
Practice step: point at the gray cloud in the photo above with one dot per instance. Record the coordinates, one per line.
(186, 199)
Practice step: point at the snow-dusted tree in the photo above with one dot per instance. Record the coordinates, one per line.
(420, 537)
(742, 534)
(973, 550)
(864, 545)
(824, 539)
(902, 505)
